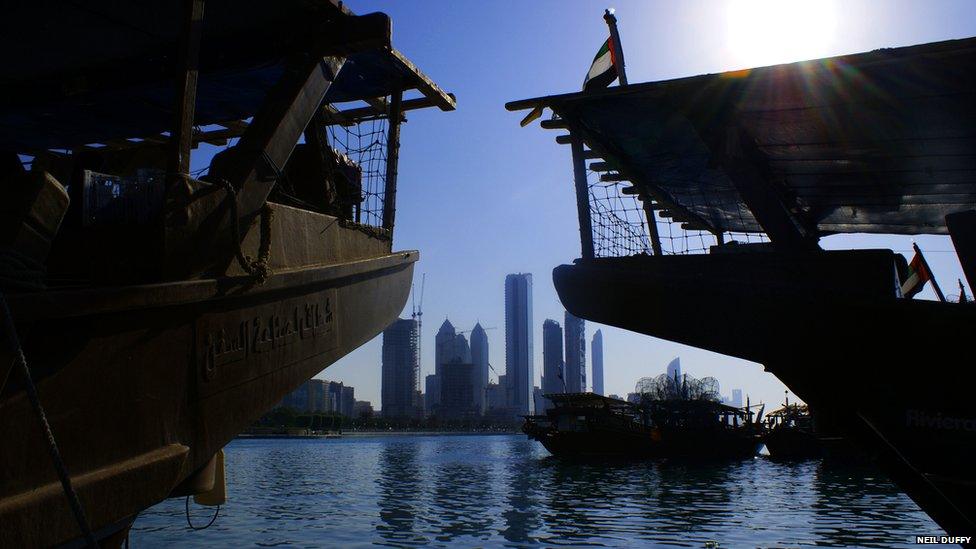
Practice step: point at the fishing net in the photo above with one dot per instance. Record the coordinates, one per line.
(363, 146)
(620, 220)
(665, 387)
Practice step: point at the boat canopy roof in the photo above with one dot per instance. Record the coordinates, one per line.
(876, 142)
(101, 71)
(585, 399)
(790, 410)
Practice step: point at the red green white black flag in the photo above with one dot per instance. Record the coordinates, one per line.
(918, 274)
(603, 71)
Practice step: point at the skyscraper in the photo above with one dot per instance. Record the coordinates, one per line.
(674, 369)
(552, 359)
(432, 394)
(398, 385)
(456, 391)
(575, 354)
(518, 342)
(444, 345)
(479, 358)
(596, 351)
(449, 346)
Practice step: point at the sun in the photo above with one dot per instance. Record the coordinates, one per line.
(767, 32)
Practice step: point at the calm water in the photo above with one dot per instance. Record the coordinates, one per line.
(507, 491)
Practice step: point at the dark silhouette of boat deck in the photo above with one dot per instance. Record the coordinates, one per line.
(878, 142)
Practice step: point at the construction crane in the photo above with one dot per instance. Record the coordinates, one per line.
(469, 331)
(417, 314)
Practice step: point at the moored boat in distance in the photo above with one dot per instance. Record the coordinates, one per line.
(665, 423)
(789, 433)
(162, 311)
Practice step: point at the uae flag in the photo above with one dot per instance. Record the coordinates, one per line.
(603, 71)
(918, 275)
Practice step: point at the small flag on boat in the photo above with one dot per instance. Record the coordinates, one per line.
(603, 71)
(918, 274)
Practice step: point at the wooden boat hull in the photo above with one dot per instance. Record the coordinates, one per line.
(142, 385)
(791, 443)
(830, 327)
(634, 444)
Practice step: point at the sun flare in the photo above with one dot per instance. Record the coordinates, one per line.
(766, 32)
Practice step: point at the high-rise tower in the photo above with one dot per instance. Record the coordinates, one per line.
(553, 377)
(479, 358)
(596, 352)
(575, 354)
(518, 342)
(398, 386)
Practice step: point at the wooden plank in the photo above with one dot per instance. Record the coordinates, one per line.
(553, 124)
(269, 141)
(566, 140)
(612, 177)
(351, 116)
(186, 86)
(425, 85)
(601, 167)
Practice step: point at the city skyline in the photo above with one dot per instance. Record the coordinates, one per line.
(519, 198)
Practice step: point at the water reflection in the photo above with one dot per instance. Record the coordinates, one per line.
(507, 491)
(399, 483)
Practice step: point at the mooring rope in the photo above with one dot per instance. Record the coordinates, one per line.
(52, 446)
(259, 269)
(190, 523)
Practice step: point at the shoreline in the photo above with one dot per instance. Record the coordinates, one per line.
(363, 434)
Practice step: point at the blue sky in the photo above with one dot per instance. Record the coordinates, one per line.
(482, 197)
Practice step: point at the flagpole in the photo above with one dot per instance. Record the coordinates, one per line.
(618, 51)
(935, 285)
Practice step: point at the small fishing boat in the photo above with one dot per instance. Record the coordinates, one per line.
(789, 433)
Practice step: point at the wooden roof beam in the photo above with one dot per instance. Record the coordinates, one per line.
(351, 116)
(740, 158)
(425, 85)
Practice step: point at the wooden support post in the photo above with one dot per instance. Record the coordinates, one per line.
(392, 159)
(186, 92)
(962, 229)
(652, 225)
(582, 198)
(267, 144)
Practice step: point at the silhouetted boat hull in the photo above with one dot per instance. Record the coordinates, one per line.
(836, 343)
(174, 370)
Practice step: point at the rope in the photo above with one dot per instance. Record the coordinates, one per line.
(190, 523)
(259, 268)
(52, 445)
